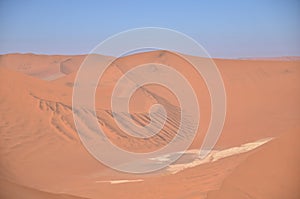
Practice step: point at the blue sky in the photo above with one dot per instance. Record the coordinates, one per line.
(228, 28)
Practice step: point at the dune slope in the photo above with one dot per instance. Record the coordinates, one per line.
(270, 173)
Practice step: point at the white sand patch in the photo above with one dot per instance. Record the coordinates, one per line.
(162, 158)
(119, 181)
(216, 155)
(54, 76)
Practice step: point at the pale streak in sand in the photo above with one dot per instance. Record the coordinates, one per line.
(213, 156)
(217, 155)
(119, 181)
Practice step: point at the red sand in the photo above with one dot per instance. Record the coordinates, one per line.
(40, 149)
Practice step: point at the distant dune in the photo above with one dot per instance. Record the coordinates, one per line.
(42, 66)
(43, 157)
(284, 58)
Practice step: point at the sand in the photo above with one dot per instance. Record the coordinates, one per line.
(215, 155)
(272, 172)
(41, 153)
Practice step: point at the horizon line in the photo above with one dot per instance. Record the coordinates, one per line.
(284, 57)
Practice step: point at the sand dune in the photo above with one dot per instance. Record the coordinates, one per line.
(272, 172)
(46, 67)
(39, 146)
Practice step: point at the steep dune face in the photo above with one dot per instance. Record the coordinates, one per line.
(259, 92)
(40, 148)
(272, 172)
(262, 98)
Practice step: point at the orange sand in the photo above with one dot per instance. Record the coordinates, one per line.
(42, 156)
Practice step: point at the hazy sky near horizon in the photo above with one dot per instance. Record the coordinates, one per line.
(229, 28)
